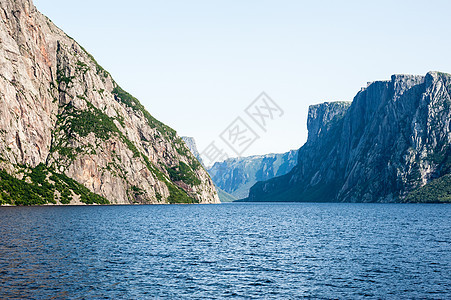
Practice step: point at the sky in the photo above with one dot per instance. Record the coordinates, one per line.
(197, 65)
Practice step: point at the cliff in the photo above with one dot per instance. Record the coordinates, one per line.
(237, 175)
(191, 144)
(70, 134)
(390, 145)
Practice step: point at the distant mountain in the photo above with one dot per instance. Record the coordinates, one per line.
(392, 144)
(237, 175)
(224, 196)
(70, 135)
(191, 144)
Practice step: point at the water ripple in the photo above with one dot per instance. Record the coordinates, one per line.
(269, 250)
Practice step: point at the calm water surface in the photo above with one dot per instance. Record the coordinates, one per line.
(226, 251)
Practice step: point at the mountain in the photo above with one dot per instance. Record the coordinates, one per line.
(224, 196)
(234, 176)
(191, 144)
(237, 175)
(392, 144)
(71, 134)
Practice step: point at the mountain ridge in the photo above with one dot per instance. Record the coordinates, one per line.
(234, 176)
(73, 135)
(237, 175)
(191, 144)
(392, 140)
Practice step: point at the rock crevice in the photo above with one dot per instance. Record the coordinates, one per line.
(393, 139)
(61, 110)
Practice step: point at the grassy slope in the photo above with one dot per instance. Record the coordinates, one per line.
(436, 191)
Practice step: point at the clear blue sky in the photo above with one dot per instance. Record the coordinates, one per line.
(196, 65)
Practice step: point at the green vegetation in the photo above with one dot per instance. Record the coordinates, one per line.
(99, 69)
(183, 172)
(20, 192)
(41, 188)
(65, 184)
(158, 196)
(133, 103)
(73, 122)
(195, 164)
(153, 169)
(61, 77)
(414, 175)
(178, 196)
(81, 67)
(180, 147)
(436, 191)
(120, 119)
(224, 196)
(83, 122)
(137, 191)
(442, 158)
(183, 150)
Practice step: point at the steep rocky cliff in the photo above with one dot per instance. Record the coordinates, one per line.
(391, 144)
(191, 144)
(70, 134)
(237, 175)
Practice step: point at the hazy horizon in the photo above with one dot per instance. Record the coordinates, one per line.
(196, 66)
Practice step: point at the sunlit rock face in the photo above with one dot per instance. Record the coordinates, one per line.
(60, 109)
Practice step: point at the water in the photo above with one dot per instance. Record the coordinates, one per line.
(232, 250)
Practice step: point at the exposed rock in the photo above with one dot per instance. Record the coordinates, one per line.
(237, 175)
(191, 144)
(323, 116)
(393, 138)
(61, 110)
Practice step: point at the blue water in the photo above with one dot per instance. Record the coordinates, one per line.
(226, 251)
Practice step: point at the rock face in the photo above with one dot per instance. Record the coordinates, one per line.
(64, 114)
(191, 144)
(237, 175)
(392, 141)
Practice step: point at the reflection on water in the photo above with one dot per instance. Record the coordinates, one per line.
(232, 250)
